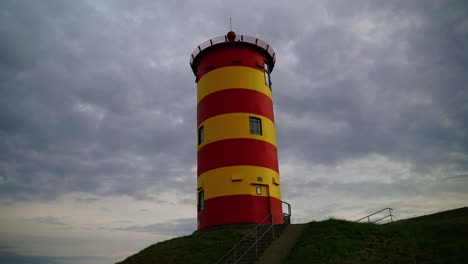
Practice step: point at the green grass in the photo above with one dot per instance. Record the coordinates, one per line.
(438, 238)
(203, 247)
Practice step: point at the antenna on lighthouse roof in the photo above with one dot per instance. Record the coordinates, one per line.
(231, 35)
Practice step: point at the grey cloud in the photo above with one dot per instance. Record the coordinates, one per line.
(370, 190)
(176, 227)
(5, 247)
(9, 255)
(84, 111)
(402, 96)
(15, 258)
(98, 98)
(48, 220)
(461, 177)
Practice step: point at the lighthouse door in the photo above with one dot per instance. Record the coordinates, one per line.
(261, 208)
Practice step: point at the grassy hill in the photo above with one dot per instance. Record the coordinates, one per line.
(436, 238)
(202, 247)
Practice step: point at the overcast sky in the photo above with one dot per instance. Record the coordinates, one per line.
(98, 115)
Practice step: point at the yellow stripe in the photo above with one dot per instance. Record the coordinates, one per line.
(235, 125)
(232, 77)
(239, 180)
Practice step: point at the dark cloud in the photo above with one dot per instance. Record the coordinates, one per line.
(10, 257)
(98, 98)
(13, 258)
(171, 228)
(48, 220)
(89, 105)
(461, 177)
(392, 84)
(376, 190)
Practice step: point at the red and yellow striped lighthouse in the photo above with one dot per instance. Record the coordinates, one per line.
(238, 177)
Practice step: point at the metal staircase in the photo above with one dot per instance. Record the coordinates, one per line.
(257, 240)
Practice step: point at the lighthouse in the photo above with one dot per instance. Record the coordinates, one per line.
(238, 178)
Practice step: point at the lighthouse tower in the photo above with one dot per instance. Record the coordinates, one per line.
(237, 179)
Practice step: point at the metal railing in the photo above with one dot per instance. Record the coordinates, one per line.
(239, 38)
(390, 214)
(236, 253)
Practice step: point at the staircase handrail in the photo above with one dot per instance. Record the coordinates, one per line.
(256, 241)
(255, 230)
(390, 210)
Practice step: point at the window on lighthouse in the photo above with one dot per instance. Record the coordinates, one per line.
(201, 200)
(255, 125)
(200, 135)
(267, 75)
(259, 190)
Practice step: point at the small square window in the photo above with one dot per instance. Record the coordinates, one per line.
(200, 135)
(255, 125)
(259, 179)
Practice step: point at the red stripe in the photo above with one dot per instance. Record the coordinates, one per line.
(237, 152)
(239, 209)
(235, 55)
(234, 101)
